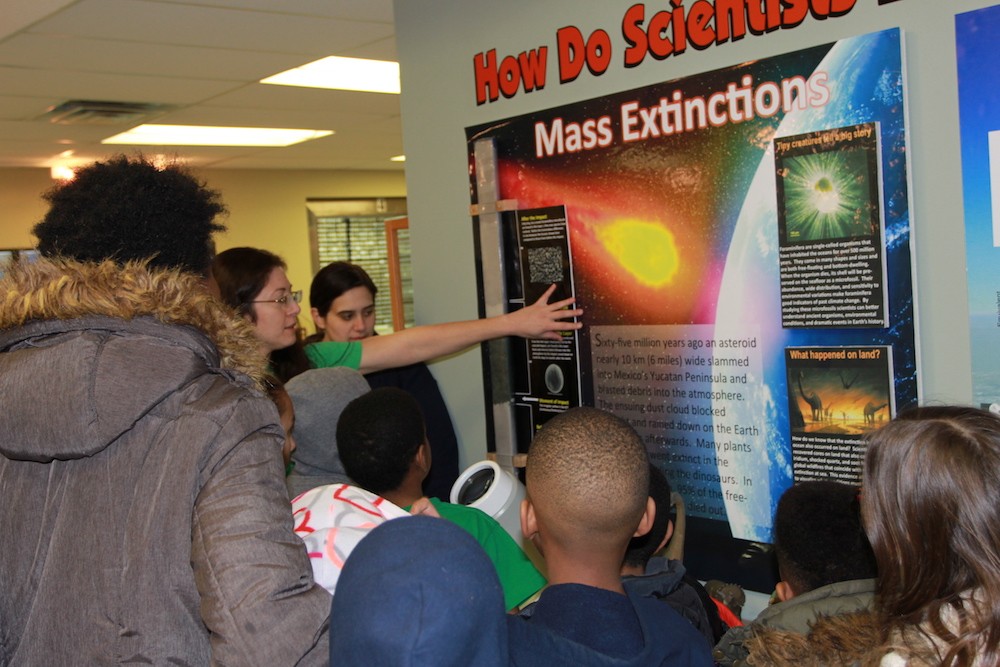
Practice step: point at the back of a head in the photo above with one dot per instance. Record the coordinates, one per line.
(378, 436)
(418, 591)
(587, 477)
(819, 538)
(333, 280)
(930, 508)
(641, 548)
(129, 210)
(320, 396)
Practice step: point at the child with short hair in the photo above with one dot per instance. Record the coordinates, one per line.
(665, 579)
(827, 569)
(587, 496)
(384, 449)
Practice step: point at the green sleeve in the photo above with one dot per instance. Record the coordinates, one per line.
(518, 575)
(327, 354)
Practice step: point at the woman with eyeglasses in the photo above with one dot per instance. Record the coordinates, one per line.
(253, 281)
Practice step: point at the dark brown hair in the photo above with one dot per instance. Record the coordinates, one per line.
(930, 507)
(330, 283)
(240, 274)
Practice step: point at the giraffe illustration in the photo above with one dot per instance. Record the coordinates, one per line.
(812, 399)
(871, 409)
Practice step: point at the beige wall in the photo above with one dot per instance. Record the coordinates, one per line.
(21, 205)
(267, 208)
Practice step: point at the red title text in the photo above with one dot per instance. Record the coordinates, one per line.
(658, 34)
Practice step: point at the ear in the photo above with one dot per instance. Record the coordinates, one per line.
(423, 457)
(784, 591)
(646, 521)
(317, 319)
(529, 523)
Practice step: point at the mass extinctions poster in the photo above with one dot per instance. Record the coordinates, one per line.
(700, 261)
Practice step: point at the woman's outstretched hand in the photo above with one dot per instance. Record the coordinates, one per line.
(543, 319)
(539, 320)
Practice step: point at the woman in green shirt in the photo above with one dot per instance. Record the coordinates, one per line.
(254, 282)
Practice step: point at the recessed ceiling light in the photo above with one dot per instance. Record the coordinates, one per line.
(200, 135)
(335, 72)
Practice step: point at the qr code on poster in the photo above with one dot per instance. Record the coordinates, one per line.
(545, 265)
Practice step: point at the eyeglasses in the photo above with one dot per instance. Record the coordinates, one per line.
(295, 296)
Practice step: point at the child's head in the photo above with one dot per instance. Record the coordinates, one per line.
(930, 508)
(642, 548)
(286, 412)
(418, 591)
(819, 539)
(587, 481)
(379, 436)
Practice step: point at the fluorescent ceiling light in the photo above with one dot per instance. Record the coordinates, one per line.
(373, 76)
(201, 135)
(398, 158)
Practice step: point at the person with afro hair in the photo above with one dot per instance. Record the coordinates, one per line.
(144, 510)
(129, 210)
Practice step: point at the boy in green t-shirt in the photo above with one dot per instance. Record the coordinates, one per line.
(384, 449)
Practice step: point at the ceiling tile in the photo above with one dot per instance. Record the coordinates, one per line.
(204, 58)
(79, 54)
(220, 27)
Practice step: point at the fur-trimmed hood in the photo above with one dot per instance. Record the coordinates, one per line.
(87, 349)
(63, 290)
(782, 634)
(832, 641)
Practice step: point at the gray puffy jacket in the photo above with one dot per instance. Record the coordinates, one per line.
(143, 515)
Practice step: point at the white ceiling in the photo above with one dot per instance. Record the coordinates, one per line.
(204, 57)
